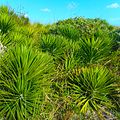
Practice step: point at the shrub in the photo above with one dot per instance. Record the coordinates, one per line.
(54, 45)
(93, 50)
(6, 23)
(91, 91)
(23, 80)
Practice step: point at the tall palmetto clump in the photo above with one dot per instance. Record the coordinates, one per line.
(23, 77)
(56, 46)
(6, 23)
(94, 50)
(91, 91)
(6, 26)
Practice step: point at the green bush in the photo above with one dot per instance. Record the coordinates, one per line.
(6, 24)
(91, 91)
(23, 80)
(93, 50)
(65, 71)
(54, 45)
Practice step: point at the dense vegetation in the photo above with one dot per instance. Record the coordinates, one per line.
(69, 70)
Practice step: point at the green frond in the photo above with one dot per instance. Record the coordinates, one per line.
(54, 45)
(23, 80)
(93, 50)
(6, 24)
(91, 89)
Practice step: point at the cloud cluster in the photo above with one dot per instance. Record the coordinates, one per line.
(45, 10)
(113, 5)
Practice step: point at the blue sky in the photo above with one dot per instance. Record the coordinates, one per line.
(49, 11)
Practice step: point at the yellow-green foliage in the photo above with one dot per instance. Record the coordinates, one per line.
(69, 70)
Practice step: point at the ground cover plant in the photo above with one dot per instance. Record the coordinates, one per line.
(69, 70)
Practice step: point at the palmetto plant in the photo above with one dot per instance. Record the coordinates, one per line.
(6, 23)
(91, 90)
(23, 76)
(68, 31)
(93, 50)
(28, 31)
(6, 10)
(54, 45)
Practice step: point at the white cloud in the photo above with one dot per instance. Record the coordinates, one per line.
(45, 10)
(113, 5)
(72, 5)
